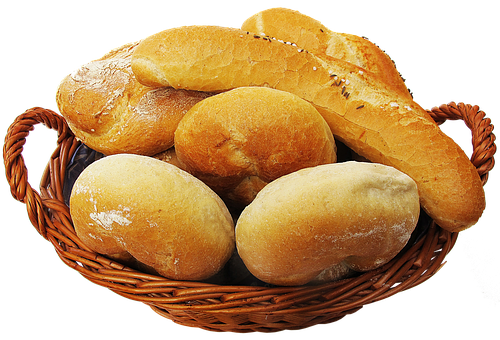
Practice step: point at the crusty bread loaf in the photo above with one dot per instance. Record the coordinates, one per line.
(371, 117)
(130, 206)
(307, 33)
(353, 214)
(240, 140)
(111, 112)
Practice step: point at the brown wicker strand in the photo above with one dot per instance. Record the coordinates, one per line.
(210, 289)
(272, 293)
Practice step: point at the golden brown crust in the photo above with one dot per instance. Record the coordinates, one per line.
(352, 214)
(137, 207)
(371, 117)
(111, 112)
(308, 33)
(240, 140)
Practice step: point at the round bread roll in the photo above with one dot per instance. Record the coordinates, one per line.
(240, 140)
(111, 112)
(130, 206)
(353, 214)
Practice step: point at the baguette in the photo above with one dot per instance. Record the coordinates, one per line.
(363, 112)
(308, 33)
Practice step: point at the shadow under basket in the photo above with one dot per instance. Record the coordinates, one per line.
(240, 308)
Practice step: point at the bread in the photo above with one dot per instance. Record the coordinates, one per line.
(292, 26)
(353, 214)
(240, 140)
(170, 156)
(111, 112)
(137, 207)
(371, 117)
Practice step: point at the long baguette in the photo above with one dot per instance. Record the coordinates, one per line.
(308, 33)
(362, 111)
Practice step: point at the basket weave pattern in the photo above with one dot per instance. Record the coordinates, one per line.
(223, 307)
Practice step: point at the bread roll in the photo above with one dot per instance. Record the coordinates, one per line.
(135, 206)
(292, 26)
(170, 156)
(353, 214)
(371, 117)
(238, 141)
(111, 112)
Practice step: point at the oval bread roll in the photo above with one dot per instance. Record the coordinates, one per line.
(136, 206)
(111, 112)
(357, 214)
(240, 140)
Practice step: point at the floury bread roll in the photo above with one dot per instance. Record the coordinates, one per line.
(307, 33)
(131, 206)
(240, 140)
(111, 112)
(353, 215)
(374, 119)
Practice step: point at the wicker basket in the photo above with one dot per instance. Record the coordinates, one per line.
(223, 307)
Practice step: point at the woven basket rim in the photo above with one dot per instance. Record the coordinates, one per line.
(225, 307)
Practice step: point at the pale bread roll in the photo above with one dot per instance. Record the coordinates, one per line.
(240, 140)
(111, 112)
(374, 119)
(307, 33)
(135, 206)
(353, 214)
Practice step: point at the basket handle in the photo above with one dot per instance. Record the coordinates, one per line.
(15, 168)
(483, 139)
